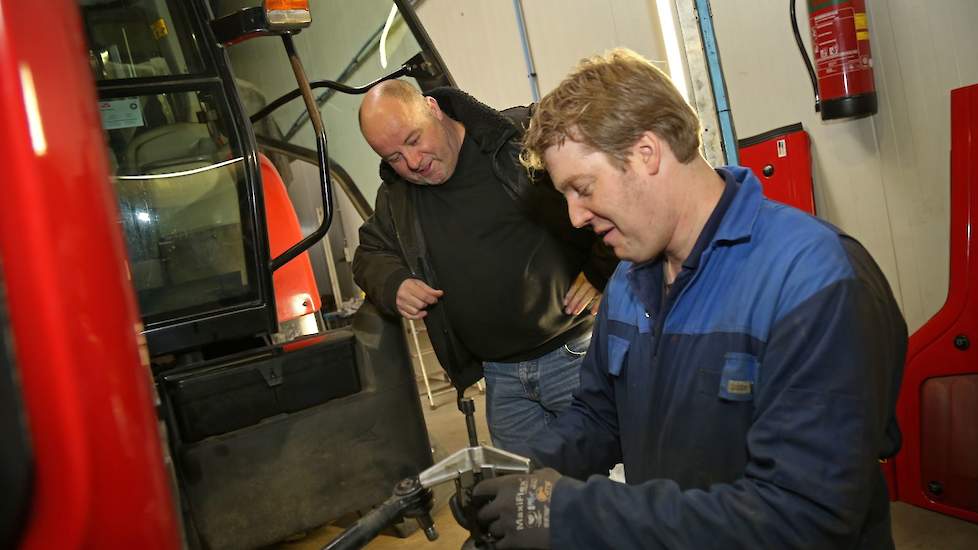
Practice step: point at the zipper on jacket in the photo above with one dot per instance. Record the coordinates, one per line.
(451, 368)
(512, 187)
(400, 243)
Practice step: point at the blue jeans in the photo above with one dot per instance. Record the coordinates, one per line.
(524, 397)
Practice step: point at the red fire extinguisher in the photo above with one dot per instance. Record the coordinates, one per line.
(844, 86)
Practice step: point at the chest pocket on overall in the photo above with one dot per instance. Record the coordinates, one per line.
(617, 352)
(736, 380)
(738, 377)
(618, 345)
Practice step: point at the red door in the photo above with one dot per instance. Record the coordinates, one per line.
(937, 467)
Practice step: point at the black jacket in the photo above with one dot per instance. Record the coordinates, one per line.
(392, 246)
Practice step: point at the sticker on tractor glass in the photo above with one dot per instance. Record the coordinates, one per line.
(159, 29)
(121, 113)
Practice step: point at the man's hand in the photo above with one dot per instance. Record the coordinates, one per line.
(580, 296)
(414, 297)
(519, 514)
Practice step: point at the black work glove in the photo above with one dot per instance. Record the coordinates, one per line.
(519, 514)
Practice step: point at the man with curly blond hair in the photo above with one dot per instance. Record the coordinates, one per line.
(746, 358)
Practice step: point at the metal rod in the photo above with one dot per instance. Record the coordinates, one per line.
(700, 92)
(531, 70)
(467, 406)
(716, 78)
(424, 372)
(334, 280)
(322, 153)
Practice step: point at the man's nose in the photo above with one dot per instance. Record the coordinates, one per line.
(413, 159)
(579, 216)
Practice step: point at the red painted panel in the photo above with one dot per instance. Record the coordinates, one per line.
(945, 345)
(296, 293)
(99, 480)
(949, 462)
(782, 160)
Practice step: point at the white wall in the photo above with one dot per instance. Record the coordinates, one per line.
(883, 179)
(480, 42)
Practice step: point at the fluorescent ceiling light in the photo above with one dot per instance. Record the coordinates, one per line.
(668, 24)
(383, 36)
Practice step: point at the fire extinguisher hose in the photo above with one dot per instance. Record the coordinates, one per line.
(804, 56)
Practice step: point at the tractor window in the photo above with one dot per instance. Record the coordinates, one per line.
(137, 39)
(176, 159)
(177, 182)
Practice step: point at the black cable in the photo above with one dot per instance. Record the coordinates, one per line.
(804, 56)
(285, 98)
(354, 64)
(358, 59)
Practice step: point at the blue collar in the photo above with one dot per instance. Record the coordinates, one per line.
(730, 188)
(738, 222)
(731, 222)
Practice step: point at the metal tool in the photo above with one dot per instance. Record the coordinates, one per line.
(412, 496)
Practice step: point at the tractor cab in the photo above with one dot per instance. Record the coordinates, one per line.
(275, 422)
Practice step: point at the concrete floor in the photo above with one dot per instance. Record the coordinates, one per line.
(913, 528)
(918, 529)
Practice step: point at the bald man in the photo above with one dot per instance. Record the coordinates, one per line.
(463, 240)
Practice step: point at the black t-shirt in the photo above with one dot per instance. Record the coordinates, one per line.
(504, 275)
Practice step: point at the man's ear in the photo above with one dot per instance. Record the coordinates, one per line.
(647, 153)
(433, 107)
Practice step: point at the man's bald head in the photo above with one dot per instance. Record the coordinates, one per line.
(389, 94)
(410, 132)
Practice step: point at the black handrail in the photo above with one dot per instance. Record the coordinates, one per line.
(338, 175)
(323, 158)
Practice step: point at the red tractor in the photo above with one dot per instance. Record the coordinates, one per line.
(166, 376)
